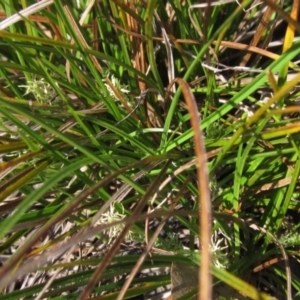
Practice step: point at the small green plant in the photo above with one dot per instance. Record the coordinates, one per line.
(41, 90)
(113, 215)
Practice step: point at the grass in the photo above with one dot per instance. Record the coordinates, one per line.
(147, 145)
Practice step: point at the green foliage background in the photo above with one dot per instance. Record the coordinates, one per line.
(91, 125)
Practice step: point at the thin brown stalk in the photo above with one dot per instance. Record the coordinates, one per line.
(283, 14)
(205, 214)
(116, 246)
(141, 259)
(258, 34)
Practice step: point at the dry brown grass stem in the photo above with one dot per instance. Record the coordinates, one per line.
(205, 214)
(116, 245)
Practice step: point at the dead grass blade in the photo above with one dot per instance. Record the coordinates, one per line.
(258, 34)
(115, 247)
(205, 215)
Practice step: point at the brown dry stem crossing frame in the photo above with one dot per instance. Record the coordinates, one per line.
(116, 246)
(205, 215)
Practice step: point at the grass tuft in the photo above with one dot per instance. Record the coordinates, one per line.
(149, 149)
